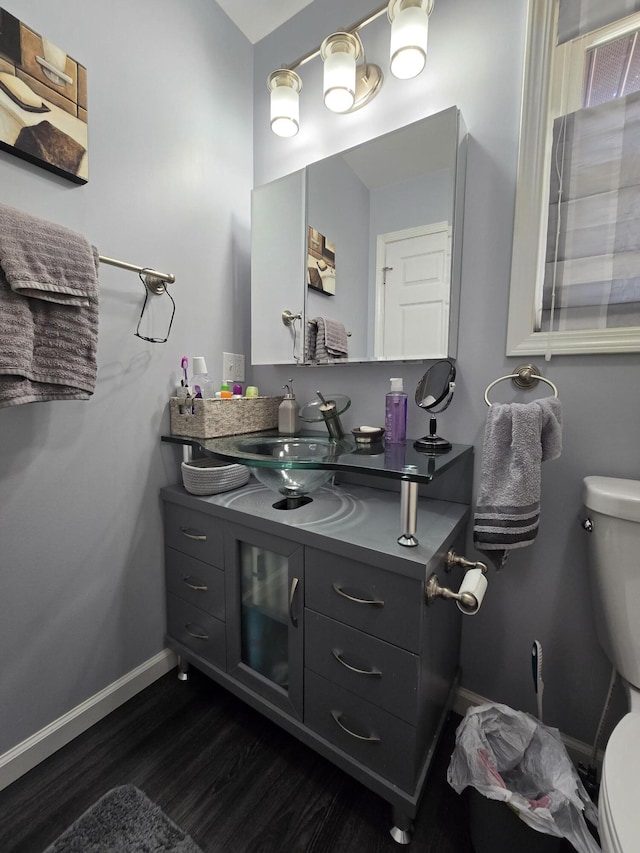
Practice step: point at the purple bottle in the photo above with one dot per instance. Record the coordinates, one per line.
(395, 414)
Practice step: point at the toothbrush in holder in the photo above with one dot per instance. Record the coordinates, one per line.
(184, 366)
(536, 671)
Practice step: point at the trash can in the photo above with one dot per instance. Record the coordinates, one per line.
(525, 795)
(496, 828)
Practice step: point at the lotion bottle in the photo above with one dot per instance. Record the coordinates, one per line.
(288, 412)
(395, 414)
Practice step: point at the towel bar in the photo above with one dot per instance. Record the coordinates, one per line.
(526, 376)
(315, 323)
(154, 280)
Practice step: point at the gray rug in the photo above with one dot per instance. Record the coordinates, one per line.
(124, 820)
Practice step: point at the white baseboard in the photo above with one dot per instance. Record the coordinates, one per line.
(579, 752)
(26, 755)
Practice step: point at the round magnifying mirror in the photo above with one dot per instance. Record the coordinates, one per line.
(434, 394)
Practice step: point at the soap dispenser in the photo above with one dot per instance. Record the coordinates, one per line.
(288, 412)
(395, 416)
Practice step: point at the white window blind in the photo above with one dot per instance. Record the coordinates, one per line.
(592, 271)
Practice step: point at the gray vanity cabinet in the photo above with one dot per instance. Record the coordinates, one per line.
(320, 621)
(367, 639)
(194, 579)
(265, 600)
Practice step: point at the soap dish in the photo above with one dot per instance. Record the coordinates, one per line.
(367, 435)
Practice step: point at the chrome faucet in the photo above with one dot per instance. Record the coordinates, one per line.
(330, 416)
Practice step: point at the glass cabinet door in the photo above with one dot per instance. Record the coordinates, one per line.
(264, 615)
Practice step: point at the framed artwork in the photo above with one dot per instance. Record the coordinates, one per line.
(43, 101)
(321, 263)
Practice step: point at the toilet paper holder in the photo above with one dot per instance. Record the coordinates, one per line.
(468, 600)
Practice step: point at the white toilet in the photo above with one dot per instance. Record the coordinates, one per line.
(613, 510)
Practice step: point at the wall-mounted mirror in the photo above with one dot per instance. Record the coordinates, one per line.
(574, 275)
(363, 249)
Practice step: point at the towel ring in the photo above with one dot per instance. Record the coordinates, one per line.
(526, 376)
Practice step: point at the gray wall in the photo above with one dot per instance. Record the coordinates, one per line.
(170, 99)
(475, 62)
(170, 173)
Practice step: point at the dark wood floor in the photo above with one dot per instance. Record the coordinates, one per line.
(230, 778)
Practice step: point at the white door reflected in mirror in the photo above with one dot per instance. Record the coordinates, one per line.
(413, 286)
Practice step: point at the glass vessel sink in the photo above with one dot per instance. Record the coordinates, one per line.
(396, 462)
(282, 462)
(298, 465)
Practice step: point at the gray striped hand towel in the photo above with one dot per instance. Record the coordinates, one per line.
(518, 438)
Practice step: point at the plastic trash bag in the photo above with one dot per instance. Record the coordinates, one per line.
(510, 756)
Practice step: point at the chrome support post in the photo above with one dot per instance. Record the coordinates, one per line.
(408, 513)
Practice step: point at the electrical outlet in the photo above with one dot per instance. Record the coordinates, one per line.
(233, 366)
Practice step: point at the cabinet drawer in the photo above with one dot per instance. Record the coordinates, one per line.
(193, 533)
(377, 671)
(196, 582)
(380, 603)
(199, 631)
(373, 737)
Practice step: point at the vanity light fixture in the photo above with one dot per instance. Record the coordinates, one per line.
(409, 31)
(285, 85)
(339, 53)
(349, 81)
(347, 84)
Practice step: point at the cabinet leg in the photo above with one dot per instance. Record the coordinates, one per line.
(183, 669)
(402, 829)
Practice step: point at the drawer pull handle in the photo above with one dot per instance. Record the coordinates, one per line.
(292, 593)
(190, 533)
(338, 656)
(373, 602)
(194, 583)
(196, 632)
(368, 738)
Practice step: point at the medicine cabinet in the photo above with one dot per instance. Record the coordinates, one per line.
(371, 238)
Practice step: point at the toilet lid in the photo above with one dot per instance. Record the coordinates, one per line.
(620, 788)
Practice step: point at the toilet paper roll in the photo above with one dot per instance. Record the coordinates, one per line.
(474, 583)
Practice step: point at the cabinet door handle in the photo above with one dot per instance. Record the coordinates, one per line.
(374, 602)
(194, 583)
(190, 533)
(197, 633)
(338, 656)
(337, 716)
(292, 593)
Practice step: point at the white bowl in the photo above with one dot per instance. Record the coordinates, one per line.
(211, 476)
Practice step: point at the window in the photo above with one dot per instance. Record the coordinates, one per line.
(612, 70)
(575, 283)
(592, 257)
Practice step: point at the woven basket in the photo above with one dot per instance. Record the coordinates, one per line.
(213, 418)
(212, 476)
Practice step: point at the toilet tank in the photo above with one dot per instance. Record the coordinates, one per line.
(613, 506)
